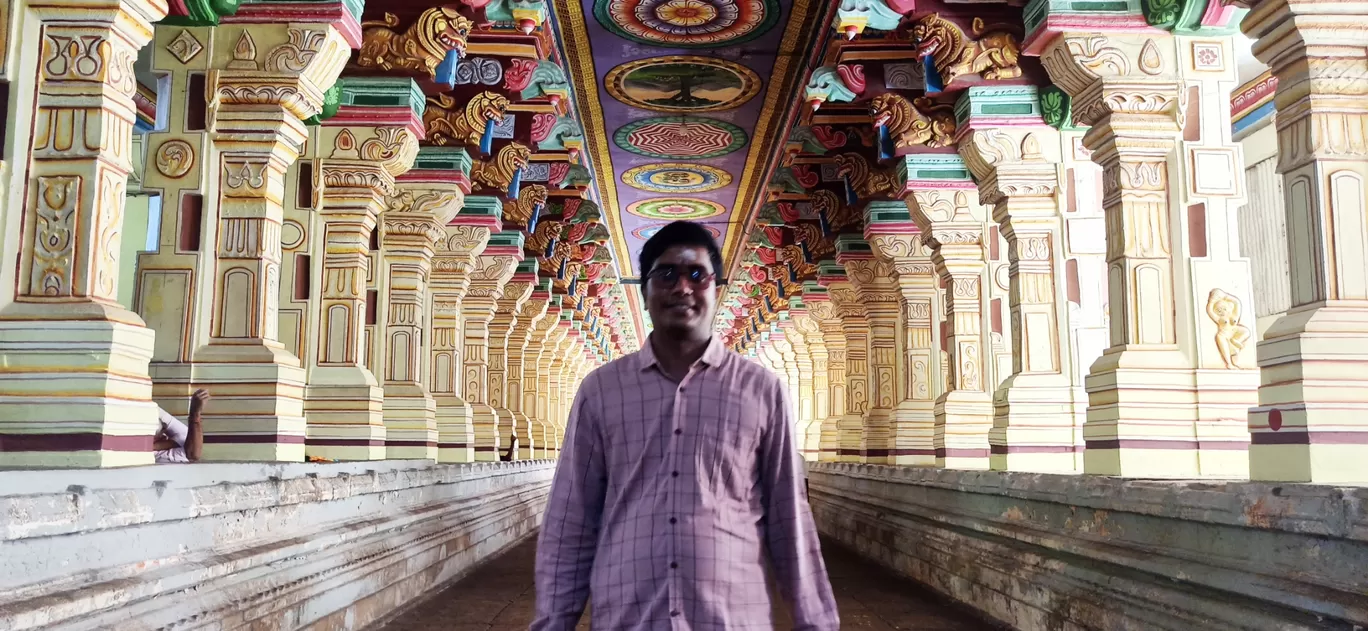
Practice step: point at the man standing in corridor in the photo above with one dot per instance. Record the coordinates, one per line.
(678, 476)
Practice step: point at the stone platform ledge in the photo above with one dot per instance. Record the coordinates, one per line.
(230, 545)
(1066, 552)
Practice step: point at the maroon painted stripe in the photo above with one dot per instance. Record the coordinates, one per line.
(1000, 450)
(442, 445)
(82, 441)
(884, 453)
(344, 442)
(1166, 444)
(961, 453)
(254, 439)
(485, 448)
(410, 443)
(1286, 437)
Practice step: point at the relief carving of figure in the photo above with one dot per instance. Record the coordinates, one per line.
(421, 48)
(914, 123)
(447, 125)
(1231, 336)
(992, 52)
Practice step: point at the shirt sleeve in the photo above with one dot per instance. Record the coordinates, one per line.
(791, 533)
(570, 528)
(175, 430)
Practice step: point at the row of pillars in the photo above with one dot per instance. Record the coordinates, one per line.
(896, 354)
(336, 301)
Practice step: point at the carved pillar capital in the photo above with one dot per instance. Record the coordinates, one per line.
(1133, 77)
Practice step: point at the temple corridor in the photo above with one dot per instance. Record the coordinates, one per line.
(498, 596)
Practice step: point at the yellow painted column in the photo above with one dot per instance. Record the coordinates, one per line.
(919, 378)
(855, 326)
(414, 224)
(491, 273)
(515, 294)
(546, 389)
(804, 400)
(343, 401)
(823, 311)
(877, 289)
(1311, 424)
(954, 222)
(1037, 416)
(531, 437)
(465, 240)
(75, 389)
(807, 327)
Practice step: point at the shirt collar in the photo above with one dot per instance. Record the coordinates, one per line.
(712, 355)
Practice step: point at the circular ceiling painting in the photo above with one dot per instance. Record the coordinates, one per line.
(676, 177)
(646, 232)
(682, 83)
(675, 137)
(678, 208)
(687, 23)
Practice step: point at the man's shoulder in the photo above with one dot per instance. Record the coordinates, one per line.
(613, 369)
(748, 369)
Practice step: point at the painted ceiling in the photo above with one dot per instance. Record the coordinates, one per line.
(682, 102)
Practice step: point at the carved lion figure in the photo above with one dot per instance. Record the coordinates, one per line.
(914, 123)
(519, 211)
(992, 52)
(445, 125)
(498, 172)
(421, 48)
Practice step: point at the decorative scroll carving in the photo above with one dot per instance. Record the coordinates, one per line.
(175, 158)
(914, 123)
(421, 48)
(992, 52)
(445, 125)
(498, 173)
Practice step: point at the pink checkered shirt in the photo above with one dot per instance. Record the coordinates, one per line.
(668, 497)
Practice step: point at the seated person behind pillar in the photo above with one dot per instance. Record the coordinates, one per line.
(177, 442)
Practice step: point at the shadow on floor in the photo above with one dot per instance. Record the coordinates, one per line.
(498, 596)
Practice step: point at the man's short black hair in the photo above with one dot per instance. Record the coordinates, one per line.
(679, 233)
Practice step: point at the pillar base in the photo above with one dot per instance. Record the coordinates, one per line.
(914, 430)
(75, 392)
(487, 439)
(410, 423)
(342, 407)
(1038, 425)
(527, 435)
(1314, 369)
(878, 436)
(963, 420)
(850, 432)
(455, 429)
(257, 411)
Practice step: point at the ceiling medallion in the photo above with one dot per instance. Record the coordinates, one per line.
(646, 232)
(687, 23)
(680, 137)
(676, 209)
(682, 83)
(676, 177)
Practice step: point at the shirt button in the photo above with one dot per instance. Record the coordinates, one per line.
(674, 613)
(673, 520)
(678, 431)
(674, 566)
(674, 474)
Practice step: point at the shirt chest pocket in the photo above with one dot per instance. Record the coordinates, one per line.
(727, 459)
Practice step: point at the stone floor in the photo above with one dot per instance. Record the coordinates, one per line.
(499, 597)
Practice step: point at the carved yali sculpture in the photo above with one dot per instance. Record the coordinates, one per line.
(914, 123)
(445, 124)
(421, 48)
(992, 53)
(498, 172)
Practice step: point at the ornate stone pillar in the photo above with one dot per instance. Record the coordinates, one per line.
(896, 240)
(544, 433)
(877, 289)
(805, 399)
(515, 294)
(274, 80)
(366, 149)
(531, 434)
(496, 265)
(953, 221)
(823, 312)
(1311, 424)
(788, 365)
(854, 323)
(65, 324)
(1037, 411)
(414, 224)
(547, 387)
(467, 236)
(1166, 397)
(806, 325)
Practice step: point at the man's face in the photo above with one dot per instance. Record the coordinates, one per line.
(682, 293)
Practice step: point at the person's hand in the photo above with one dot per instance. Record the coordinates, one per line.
(197, 401)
